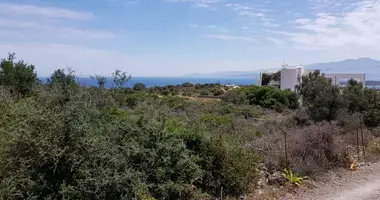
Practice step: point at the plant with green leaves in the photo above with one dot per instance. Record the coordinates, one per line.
(19, 76)
(292, 178)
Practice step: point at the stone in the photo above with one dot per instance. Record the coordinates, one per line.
(276, 179)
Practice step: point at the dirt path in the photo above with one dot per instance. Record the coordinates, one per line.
(363, 184)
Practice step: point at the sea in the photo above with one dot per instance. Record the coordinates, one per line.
(163, 81)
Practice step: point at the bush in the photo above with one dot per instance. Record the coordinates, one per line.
(77, 152)
(139, 86)
(271, 97)
(165, 92)
(131, 100)
(226, 162)
(372, 118)
(312, 149)
(323, 100)
(217, 92)
(187, 84)
(204, 93)
(235, 96)
(302, 118)
(19, 76)
(187, 94)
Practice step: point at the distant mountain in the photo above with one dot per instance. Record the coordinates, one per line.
(368, 66)
(348, 65)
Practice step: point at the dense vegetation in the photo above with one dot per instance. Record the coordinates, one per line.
(62, 141)
(267, 78)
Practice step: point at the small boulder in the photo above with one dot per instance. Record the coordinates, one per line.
(276, 179)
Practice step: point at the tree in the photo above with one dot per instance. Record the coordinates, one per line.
(139, 86)
(62, 77)
(101, 80)
(187, 84)
(265, 79)
(271, 97)
(120, 78)
(322, 98)
(276, 76)
(354, 97)
(19, 76)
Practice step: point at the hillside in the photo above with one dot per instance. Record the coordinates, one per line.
(368, 66)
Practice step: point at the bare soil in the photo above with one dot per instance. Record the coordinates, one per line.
(342, 184)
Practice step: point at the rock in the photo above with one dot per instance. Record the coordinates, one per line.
(276, 179)
(263, 180)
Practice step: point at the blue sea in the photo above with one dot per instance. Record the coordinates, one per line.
(162, 81)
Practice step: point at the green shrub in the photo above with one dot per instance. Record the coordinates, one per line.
(226, 163)
(139, 86)
(204, 93)
(131, 100)
(77, 152)
(217, 92)
(165, 92)
(187, 84)
(64, 141)
(235, 96)
(187, 94)
(217, 120)
(271, 97)
(372, 118)
(19, 76)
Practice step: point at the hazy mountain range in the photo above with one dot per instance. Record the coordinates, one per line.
(368, 66)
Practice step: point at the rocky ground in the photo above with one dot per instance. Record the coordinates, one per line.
(342, 184)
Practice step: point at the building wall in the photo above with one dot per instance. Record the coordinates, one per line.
(289, 78)
(336, 78)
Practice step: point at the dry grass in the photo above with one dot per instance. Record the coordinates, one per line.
(312, 148)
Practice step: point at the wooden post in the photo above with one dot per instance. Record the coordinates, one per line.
(286, 149)
(357, 142)
(362, 134)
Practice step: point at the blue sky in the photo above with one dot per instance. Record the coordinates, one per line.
(177, 37)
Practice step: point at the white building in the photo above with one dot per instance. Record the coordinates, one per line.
(291, 76)
(337, 78)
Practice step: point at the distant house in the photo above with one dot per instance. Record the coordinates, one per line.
(291, 76)
(232, 86)
(336, 79)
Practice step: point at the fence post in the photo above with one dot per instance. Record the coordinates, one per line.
(286, 148)
(362, 134)
(357, 143)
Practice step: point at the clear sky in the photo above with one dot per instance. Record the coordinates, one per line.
(177, 37)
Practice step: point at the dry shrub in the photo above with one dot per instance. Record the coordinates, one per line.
(373, 149)
(301, 117)
(310, 148)
(374, 146)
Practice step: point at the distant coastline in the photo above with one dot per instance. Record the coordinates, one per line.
(163, 81)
